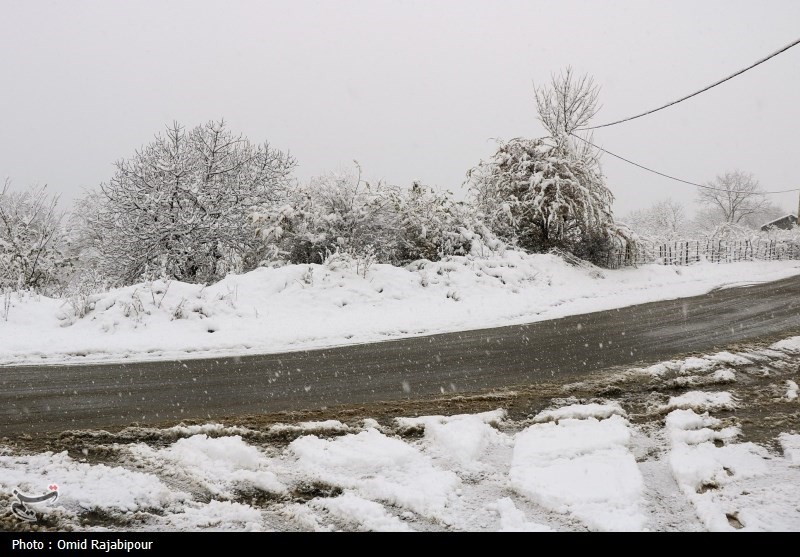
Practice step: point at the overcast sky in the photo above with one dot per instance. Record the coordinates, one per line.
(410, 89)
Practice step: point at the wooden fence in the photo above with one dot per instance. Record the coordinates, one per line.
(715, 251)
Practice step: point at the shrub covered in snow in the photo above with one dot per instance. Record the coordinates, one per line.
(179, 207)
(541, 194)
(332, 213)
(432, 225)
(341, 215)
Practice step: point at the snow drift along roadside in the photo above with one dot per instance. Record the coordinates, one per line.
(309, 306)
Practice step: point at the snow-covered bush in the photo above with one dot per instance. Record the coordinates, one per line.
(431, 225)
(181, 205)
(337, 212)
(359, 262)
(342, 216)
(31, 240)
(540, 194)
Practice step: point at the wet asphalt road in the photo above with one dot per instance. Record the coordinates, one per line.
(35, 399)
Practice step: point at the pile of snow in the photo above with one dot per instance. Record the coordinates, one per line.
(731, 485)
(694, 370)
(513, 520)
(724, 375)
(224, 466)
(460, 440)
(580, 412)
(317, 428)
(689, 428)
(730, 359)
(365, 515)
(701, 401)
(573, 468)
(214, 516)
(581, 467)
(790, 345)
(791, 447)
(377, 467)
(82, 486)
(306, 306)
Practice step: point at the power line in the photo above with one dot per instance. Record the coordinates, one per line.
(673, 177)
(723, 80)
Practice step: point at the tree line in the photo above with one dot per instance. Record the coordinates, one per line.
(196, 204)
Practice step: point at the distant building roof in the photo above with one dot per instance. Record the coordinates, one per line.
(785, 222)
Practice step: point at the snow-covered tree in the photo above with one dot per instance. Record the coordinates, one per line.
(180, 206)
(550, 193)
(31, 239)
(539, 194)
(568, 103)
(665, 220)
(735, 196)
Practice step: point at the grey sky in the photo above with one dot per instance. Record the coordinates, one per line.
(412, 90)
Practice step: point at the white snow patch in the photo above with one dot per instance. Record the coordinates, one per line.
(462, 439)
(274, 310)
(735, 486)
(493, 417)
(215, 516)
(377, 467)
(85, 486)
(581, 467)
(701, 400)
(730, 359)
(724, 375)
(304, 517)
(685, 426)
(368, 423)
(791, 447)
(513, 520)
(366, 515)
(210, 428)
(791, 390)
(222, 465)
(580, 411)
(787, 345)
(695, 365)
(324, 426)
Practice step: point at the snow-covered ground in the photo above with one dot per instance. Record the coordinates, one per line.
(307, 306)
(683, 465)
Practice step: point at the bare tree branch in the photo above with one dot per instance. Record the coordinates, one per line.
(738, 195)
(569, 102)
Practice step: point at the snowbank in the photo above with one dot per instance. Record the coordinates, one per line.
(306, 306)
(376, 466)
(581, 467)
(732, 486)
(700, 400)
(225, 466)
(585, 467)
